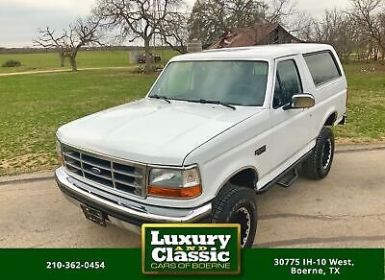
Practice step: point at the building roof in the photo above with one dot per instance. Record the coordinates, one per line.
(259, 34)
(263, 52)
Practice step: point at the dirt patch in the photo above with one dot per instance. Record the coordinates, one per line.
(27, 163)
(359, 141)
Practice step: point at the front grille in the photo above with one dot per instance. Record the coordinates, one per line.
(125, 177)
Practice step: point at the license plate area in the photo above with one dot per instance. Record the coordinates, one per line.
(94, 215)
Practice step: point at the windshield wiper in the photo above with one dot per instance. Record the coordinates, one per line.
(156, 96)
(203, 101)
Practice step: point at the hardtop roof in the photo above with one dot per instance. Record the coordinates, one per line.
(265, 52)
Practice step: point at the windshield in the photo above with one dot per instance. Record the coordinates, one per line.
(228, 82)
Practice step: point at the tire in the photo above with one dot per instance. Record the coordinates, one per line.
(319, 163)
(237, 205)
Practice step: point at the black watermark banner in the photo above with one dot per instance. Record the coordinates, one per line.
(326, 264)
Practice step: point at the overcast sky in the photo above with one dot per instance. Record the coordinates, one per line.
(21, 19)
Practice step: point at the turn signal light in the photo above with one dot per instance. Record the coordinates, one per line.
(188, 192)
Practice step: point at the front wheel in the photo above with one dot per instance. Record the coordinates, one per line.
(319, 163)
(236, 205)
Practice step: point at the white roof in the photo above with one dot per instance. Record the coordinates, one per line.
(265, 52)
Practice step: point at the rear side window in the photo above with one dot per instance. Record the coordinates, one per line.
(322, 66)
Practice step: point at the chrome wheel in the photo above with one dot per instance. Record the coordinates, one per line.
(326, 154)
(243, 218)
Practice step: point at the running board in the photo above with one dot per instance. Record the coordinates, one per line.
(296, 165)
(289, 178)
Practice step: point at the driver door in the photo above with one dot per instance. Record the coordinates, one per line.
(290, 133)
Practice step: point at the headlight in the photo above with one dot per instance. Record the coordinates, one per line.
(59, 152)
(174, 183)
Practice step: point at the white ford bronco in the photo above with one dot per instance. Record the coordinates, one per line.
(216, 128)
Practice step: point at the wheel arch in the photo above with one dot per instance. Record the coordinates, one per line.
(246, 176)
(331, 119)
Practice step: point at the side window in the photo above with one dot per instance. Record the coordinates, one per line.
(322, 66)
(287, 84)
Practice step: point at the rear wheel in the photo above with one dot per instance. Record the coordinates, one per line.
(236, 205)
(319, 163)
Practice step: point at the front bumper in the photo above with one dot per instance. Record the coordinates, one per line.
(127, 214)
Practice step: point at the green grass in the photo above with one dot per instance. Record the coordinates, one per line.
(86, 59)
(32, 107)
(366, 104)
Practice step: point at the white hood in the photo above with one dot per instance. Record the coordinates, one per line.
(152, 131)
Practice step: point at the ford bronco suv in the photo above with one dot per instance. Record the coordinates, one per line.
(216, 128)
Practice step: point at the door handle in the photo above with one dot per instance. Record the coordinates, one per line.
(260, 151)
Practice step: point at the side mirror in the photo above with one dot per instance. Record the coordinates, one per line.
(301, 101)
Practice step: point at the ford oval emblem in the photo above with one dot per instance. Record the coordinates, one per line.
(96, 171)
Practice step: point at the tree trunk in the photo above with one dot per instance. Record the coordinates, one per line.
(147, 53)
(62, 58)
(73, 55)
(183, 50)
(73, 62)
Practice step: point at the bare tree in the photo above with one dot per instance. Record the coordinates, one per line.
(137, 19)
(212, 18)
(173, 31)
(71, 40)
(360, 30)
(279, 11)
(303, 25)
(370, 15)
(48, 39)
(336, 29)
